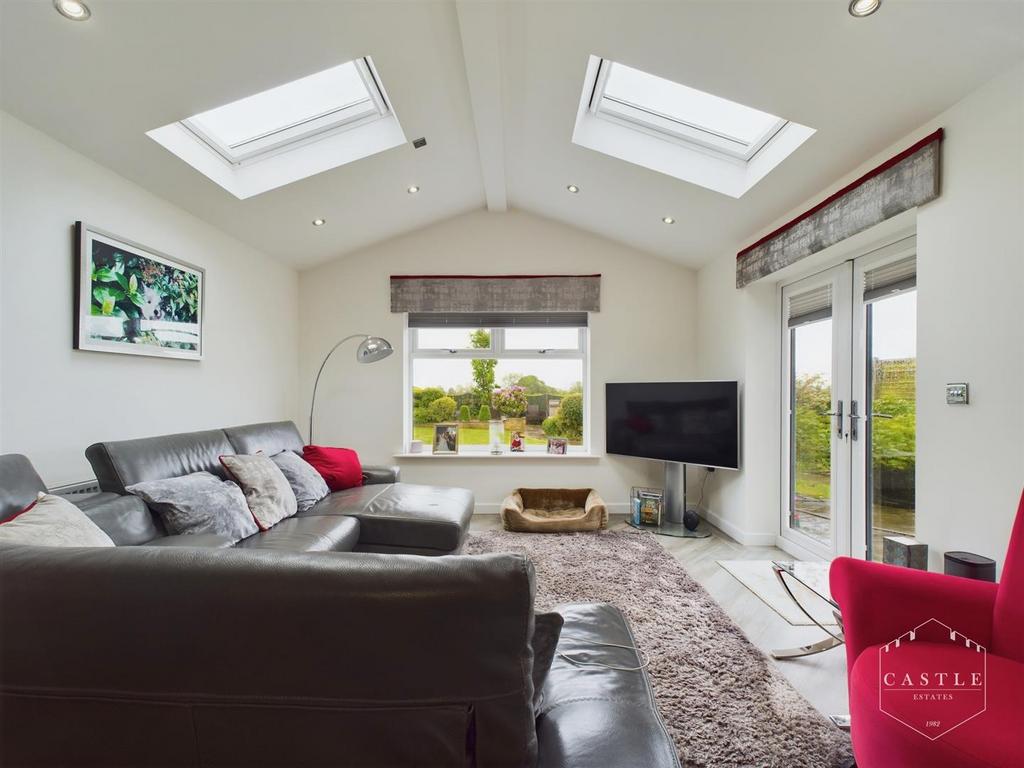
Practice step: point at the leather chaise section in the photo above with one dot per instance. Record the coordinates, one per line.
(423, 516)
(402, 517)
(307, 534)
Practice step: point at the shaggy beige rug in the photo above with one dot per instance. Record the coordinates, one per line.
(723, 702)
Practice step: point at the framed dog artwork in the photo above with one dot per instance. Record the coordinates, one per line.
(133, 300)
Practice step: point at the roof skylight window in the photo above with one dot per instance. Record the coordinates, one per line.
(681, 131)
(320, 121)
(682, 113)
(336, 97)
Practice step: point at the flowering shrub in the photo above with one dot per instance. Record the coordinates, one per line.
(510, 401)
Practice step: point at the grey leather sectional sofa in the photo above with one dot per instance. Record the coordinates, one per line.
(383, 515)
(158, 655)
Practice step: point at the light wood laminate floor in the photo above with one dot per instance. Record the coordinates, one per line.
(820, 678)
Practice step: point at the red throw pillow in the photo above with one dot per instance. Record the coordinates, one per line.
(340, 467)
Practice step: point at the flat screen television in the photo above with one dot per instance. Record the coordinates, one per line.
(690, 422)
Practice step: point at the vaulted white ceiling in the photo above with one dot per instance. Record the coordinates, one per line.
(494, 88)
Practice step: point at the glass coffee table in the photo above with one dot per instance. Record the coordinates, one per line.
(813, 576)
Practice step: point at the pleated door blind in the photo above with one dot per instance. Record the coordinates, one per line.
(894, 277)
(809, 306)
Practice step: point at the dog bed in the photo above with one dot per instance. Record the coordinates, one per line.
(554, 510)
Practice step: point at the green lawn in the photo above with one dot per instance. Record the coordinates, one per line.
(470, 436)
(813, 485)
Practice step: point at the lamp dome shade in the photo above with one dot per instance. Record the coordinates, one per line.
(372, 349)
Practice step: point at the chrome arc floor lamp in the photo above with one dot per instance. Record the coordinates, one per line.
(370, 350)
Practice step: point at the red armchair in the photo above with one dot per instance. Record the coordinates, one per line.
(880, 603)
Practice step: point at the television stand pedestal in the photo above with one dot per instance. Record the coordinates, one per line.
(674, 504)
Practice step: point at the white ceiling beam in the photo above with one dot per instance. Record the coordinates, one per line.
(479, 26)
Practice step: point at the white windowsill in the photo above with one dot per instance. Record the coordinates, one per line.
(526, 455)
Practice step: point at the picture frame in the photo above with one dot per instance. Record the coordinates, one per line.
(516, 442)
(446, 439)
(558, 446)
(134, 300)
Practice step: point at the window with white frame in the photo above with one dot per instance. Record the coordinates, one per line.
(527, 371)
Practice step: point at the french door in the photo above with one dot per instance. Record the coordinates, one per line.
(849, 395)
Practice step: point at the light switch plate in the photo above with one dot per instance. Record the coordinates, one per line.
(957, 394)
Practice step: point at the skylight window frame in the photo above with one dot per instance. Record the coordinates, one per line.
(347, 117)
(646, 120)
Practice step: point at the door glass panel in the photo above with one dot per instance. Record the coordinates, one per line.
(810, 510)
(892, 427)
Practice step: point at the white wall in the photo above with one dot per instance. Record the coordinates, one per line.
(645, 330)
(737, 339)
(56, 400)
(970, 460)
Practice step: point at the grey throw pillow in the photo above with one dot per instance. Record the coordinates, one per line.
(308, 484)
(198, 503)
(52, 521)
(266, 489)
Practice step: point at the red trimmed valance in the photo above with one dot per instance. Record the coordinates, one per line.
(902, 182)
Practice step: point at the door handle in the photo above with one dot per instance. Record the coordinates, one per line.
(838, 413)
(854, 417)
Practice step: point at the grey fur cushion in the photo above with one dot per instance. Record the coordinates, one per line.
(198, 503)
(267, 492)
(308, 484)
(52, 521)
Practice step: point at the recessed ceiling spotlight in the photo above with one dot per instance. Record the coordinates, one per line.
(72, 9)
(668, 220)
(319, 222)
(862, 8)
(412, 189)
(573, 188)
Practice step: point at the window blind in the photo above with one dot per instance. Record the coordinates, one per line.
(809, 306)
(890, 278)
(496, 293)
(497, 319)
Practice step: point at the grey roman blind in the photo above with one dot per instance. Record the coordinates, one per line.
(497, 319)
(807, 307)
(496, 294)
(890, 278)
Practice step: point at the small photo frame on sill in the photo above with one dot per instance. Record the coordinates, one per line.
(516, 442)
(558, 446)
(446, 439)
